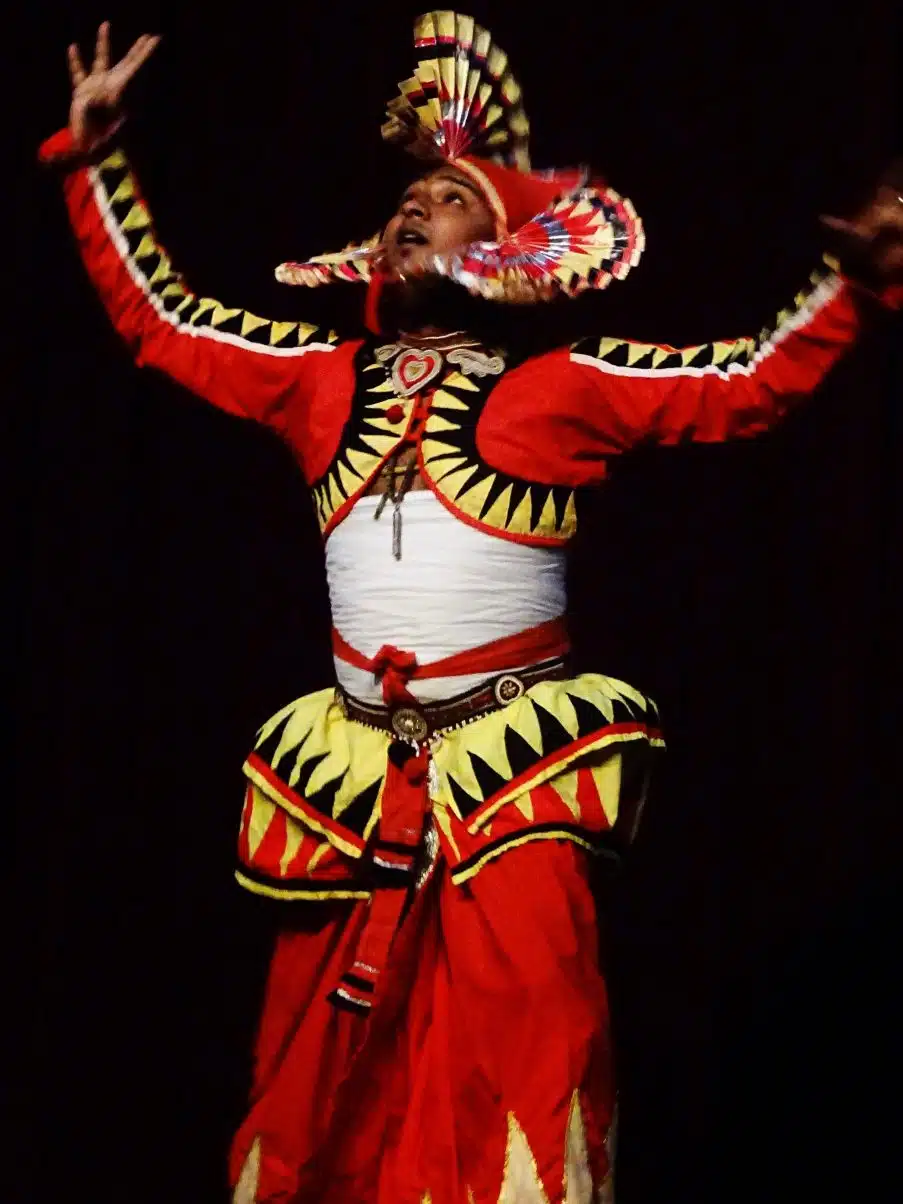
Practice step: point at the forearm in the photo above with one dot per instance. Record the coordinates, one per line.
(244, 364)
(729, 389)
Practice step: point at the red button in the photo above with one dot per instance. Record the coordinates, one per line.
(395, 413)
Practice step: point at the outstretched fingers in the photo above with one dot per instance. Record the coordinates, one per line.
(841, 225)
(139, 53)
(102, 49)
(77, 71)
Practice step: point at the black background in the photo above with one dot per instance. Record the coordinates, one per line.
(165, 573)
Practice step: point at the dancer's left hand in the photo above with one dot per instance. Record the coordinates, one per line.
(870, 245)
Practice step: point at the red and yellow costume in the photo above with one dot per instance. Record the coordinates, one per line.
(438, 1032)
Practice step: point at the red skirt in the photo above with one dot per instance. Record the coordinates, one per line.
(483, 1074)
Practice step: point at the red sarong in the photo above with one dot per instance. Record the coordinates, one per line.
(482, 1074)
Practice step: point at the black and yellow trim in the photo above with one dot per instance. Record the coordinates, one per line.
(313, 760)
(633, 357)
(327, 772)
(450, 461)
(480, 494)
(517, 748)
(367, 441)
(133, 232)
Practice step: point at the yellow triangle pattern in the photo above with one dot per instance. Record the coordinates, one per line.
(382, 445)
(455, 380)
(439, 439)
(137, 218)
(350, 481)
(443, 400)
(251, 322)
(475, 497)
(524, 804)
(439, 424)
(486, 740)
(262, 814)
(147, 246)
(280, 332)
(565, 786)
(318, 746)
(135, 223)
(607, 779)
(496, 514)
(246, 1187)
(720, 354)
(124, 192)
(221, 314)
(520, 520)
(578, 1179)
(521, 1183)
(293, 838)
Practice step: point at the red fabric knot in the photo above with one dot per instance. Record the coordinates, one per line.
(394, 668)
(415, 769)
(395, 413)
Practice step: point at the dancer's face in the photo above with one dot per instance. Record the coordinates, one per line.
(441, 213)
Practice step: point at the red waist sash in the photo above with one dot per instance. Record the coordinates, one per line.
(394, 667)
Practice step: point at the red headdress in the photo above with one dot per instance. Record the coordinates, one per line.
(556, 232)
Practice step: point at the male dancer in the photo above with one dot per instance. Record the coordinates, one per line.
(442, 1035)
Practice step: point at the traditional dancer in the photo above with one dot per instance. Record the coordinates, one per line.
(437, 1030)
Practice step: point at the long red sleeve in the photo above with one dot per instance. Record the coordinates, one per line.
(721, 390)
(246, 365)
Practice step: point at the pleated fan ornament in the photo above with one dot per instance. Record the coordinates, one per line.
(557, 232)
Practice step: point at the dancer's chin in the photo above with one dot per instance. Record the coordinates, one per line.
(425, 299)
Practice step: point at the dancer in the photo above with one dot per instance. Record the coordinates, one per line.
(437, 1030)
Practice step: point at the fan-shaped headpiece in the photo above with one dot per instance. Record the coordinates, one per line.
(556, 232)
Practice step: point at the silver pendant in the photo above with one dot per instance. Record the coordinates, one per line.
(396, 530)
(430, 853)
(381, 505)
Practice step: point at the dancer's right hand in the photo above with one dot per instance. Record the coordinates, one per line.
(97, 94)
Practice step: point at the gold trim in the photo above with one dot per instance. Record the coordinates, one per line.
(273, 892)
(515, 843)
(266, 788)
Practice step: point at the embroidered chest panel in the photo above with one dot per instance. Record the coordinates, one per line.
(389, 381)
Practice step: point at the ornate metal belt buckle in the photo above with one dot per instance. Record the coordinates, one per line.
(409, 724)
(508, 689)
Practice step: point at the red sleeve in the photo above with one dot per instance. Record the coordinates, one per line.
(248, 366)
(723, 390)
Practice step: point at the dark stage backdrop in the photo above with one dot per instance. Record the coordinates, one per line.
(169, 594)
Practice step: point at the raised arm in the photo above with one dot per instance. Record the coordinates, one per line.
(741, 387)
(246, 365)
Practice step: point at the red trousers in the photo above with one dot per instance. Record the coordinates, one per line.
(482, 1075)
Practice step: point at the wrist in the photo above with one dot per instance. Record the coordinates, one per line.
(60, 150)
